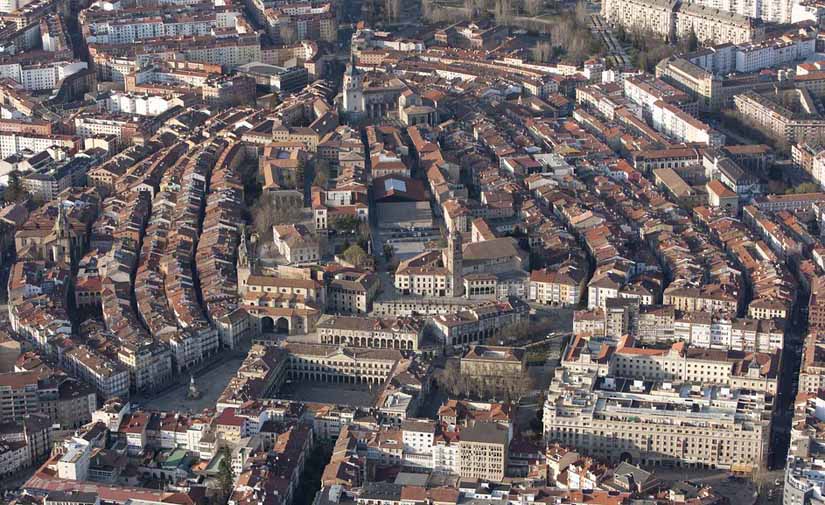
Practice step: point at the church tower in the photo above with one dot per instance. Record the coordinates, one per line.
(243, 266)
(454, 262)
(62, 238)
(353, 90)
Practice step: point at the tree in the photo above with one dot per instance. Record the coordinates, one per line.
(15, 192)
(346, 224)
(393, 10)
(355, 255)
(532, 7)
(543, 52)
(582, 14)
(300, 173)
(692, 41)
(514, 332)
(450, 378)
(288, 34)
(389, 251)
(226, 477)
(427, 9)
(621, 34)
(503, 11)
(571, 37)
(263, 217)
(274, 100)
(321, 173)
(805, 187)
(364, 233)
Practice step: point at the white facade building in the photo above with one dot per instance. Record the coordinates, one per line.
(145, 105)
(683, 127)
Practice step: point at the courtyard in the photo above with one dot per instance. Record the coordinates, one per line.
(353, 395)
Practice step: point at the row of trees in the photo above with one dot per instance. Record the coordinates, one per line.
(569, 37)
(502, 10)
(509, 389)
(505, 10)
(650, 48)
(265, 215)
(392, 10)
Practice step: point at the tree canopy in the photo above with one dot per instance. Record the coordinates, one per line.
(355, 255)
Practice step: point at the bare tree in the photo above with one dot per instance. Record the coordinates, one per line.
(263, 217)
(470, 7)
(532, 7)
(427, 9)
(288, 34)
(503, 11)
(393, 10)
(582, 14)
(543, 52)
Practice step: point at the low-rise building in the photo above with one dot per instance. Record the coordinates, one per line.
(403, 333)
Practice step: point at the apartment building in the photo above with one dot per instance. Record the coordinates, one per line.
(14, 456)
(110, 378)
(15, 142)
(682, 127)
(713, 26)
(804, 475)
(483, 449)
(675, 18)
(141, 105)
(149, 364)
(63, 400)
(645, 92)
(558, 286)
(655, 16)
(705, 86)
(774, 52)
(42, 75)
(296, 21)
(684, 363)
(25, 393)
(710, 298)
(812, 369)
(663, 422)
(424, 275)
(352, 292)
(797, 121)
(773, 11)
(704, 330)
(123, 127)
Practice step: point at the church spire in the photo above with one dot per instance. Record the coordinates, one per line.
(62, 228)
(243, 250)
(352, 67)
